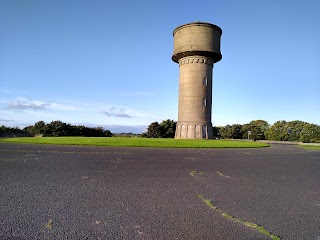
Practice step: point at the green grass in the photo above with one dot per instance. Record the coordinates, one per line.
(137, 142)
(310, 147)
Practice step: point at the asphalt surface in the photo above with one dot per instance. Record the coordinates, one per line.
(72, 192)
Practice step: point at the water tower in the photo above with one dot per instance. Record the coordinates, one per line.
(196, 49)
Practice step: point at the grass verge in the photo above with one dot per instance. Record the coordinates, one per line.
(310, 147)
(137, 142)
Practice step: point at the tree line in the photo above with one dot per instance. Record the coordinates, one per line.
(255, 130)
(56, 129)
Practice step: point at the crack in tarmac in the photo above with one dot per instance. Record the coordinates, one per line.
(261, 229)
(209, 203)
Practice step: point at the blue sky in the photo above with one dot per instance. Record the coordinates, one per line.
(109, 62)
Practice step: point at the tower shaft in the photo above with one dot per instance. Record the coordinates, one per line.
(195, 94)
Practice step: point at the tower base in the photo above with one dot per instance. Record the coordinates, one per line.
(194, 130)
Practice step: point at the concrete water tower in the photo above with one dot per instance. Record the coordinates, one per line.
(196, 49)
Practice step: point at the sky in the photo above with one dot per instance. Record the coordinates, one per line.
(108, 62)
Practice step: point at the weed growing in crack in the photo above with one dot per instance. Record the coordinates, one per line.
(49, 224)
(261, 229)
(222, 175)
(193, 173)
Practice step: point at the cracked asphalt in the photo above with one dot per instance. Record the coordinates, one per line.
(76, 192)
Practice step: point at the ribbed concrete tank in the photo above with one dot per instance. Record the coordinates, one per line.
(196, 49)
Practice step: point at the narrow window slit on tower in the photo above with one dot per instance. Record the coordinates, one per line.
(204, 102)
(205, 81)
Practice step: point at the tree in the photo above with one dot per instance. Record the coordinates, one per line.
(236, 131)
(257, 128)
(168, 128)
(89, 132)
(4, 129)
(39, 127)
(294, 129)
(310, 133)
(275, 132)
(287, 131)
(216, 132)
(154, 130)
(108, 133)
(233, 131)
(57, 129)
(165, 129)
(226, 131)
(97, 132)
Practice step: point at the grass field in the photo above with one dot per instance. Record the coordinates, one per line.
(310, 147)
(137, 142)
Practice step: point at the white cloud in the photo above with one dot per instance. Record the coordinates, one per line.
(30, 104)
(58, 106)
(23, 104)
(113, 112)
(6, 120)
